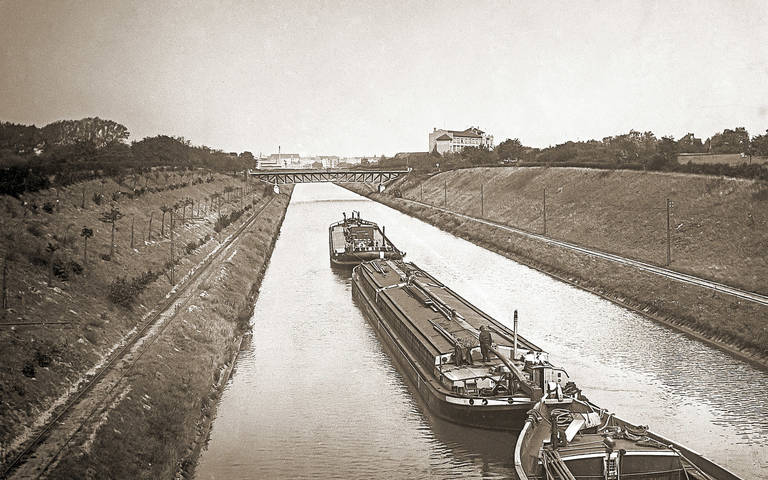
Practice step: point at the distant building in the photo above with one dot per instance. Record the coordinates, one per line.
(456, 141)
(279, 160)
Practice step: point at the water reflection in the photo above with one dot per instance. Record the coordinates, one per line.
(315, 395)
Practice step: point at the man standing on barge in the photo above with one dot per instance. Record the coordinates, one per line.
(485, 343)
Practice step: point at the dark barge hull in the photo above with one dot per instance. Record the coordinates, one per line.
(510, 417)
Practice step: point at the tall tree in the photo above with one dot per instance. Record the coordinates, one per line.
(86, 233)
(760, 144)
(510, 149)
(92, 130)
(111, 216)
(730, 141)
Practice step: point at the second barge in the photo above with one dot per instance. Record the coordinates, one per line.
(434, 336)
(354, 240)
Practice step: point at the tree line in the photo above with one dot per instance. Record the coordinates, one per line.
(633, 150)
(69, 151)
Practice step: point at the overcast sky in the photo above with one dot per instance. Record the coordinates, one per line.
(365, 77)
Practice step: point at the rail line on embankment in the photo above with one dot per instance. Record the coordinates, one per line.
(646, 267)
(34, 460)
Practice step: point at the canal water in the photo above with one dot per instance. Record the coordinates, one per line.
(315, 395)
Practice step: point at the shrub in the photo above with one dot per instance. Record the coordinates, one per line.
(92, 336)
(121, 292)
(124, 292)
(35, 229)
(97, 198)
(106, 256)
(60, 270)
(28, 370)
(48, 207)
(42, 358)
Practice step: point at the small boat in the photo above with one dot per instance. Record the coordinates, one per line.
(354, 240)
(589, 442)
(433, 335)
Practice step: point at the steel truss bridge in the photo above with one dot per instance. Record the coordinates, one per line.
(279, 177)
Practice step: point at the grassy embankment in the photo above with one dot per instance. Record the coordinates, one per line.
(718, 231)
(43, 361)
(163, 412)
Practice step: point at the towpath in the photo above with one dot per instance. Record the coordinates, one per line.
(646, 267)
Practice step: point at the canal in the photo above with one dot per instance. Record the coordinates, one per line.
(314, 395)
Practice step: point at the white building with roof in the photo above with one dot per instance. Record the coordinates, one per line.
(456, 141)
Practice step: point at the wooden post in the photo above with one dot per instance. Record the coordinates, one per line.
(5, 285)
(172, 252)
(422, 193)
(149, 237)
(133, 219)
(545, 211)
(482, 202)
(669, 246)
(445, 193)
(82, 205)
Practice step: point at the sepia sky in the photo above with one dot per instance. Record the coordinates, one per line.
(364, 77)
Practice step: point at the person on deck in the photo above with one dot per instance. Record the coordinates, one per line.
(467, 344)
(485, 343)
(458, 354)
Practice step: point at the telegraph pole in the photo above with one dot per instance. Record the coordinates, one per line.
(482, 202)
(445, 193)
(669, 246)
(422, 193)
(545, 211)
(173, 266)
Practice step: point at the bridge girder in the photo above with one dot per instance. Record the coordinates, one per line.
(277, 177)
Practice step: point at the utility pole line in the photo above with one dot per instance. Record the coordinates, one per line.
(545, 211)
(669, 247)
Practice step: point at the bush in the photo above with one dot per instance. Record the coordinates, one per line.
(92, 336)
(42, 358)
(191, 246)
(48, 207)
(123, 292)
(35, 229)
(28, 370)
(97, 198)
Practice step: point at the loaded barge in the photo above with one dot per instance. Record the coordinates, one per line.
(573, 438)
(440, 342)
(354, 240)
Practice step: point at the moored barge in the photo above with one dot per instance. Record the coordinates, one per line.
(434, 336)
(354, 240)
(572, 438)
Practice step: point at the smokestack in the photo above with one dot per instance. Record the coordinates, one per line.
(514, 350)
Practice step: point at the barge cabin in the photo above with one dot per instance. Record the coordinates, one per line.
(434, 334)
(354, 240)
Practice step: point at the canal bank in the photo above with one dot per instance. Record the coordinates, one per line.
(731, 324)
(315, 394)
(161, 410)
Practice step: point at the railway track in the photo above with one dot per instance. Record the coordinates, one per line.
(45, 448)
(646, 267)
